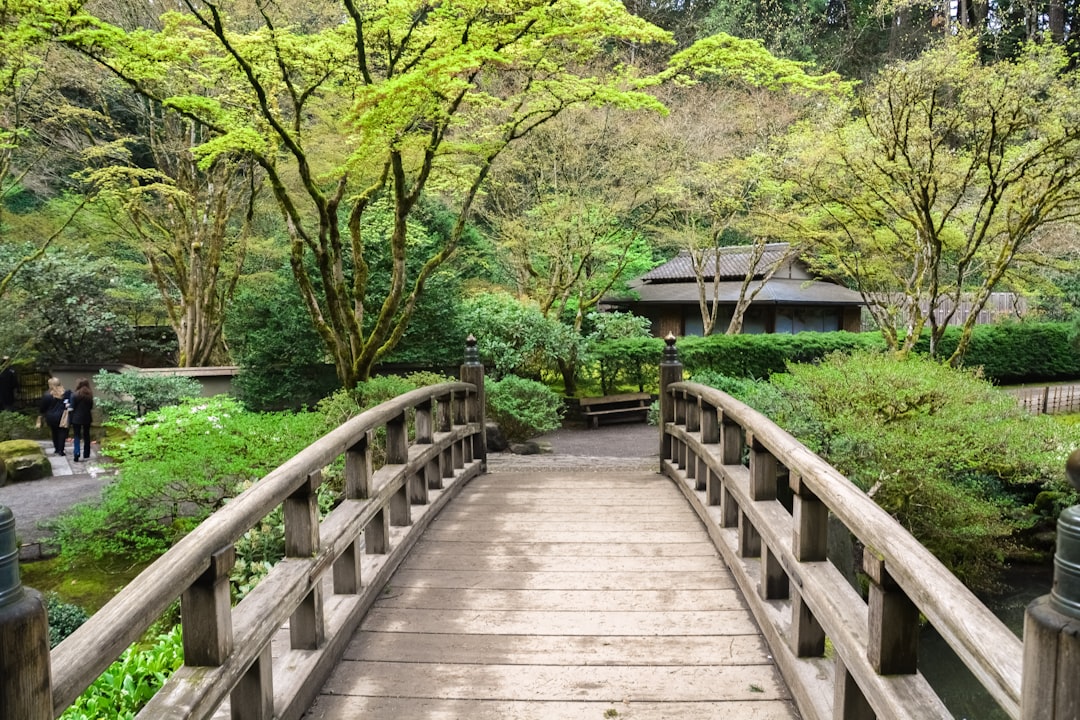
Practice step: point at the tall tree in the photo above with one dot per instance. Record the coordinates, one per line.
(190, 220)
(930, 187)
(400, 98)
(27, 104)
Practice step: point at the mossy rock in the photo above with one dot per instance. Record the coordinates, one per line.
(24, 460)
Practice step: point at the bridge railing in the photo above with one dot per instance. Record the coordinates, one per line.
(332, 572)
(842, 656)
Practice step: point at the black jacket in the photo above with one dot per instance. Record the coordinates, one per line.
(52, 408)
(80, 410)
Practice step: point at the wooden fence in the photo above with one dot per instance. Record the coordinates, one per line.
(1049, 399)
(770, 519)
(238, 656)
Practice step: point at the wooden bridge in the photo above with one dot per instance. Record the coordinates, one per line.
(437, 589)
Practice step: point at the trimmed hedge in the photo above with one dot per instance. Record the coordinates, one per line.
(1012, 353)
(1008, 353)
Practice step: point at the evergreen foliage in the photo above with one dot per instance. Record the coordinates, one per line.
(954, 460)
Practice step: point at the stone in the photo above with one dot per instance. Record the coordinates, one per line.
(496, 441)
(529, 447)
(24, 460)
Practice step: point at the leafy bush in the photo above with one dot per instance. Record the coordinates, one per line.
(178, 466)
(131, 681)
(953, 459)
(132, 394)
(64, 618)
(16, 426)
(522, 408)
(515, 338)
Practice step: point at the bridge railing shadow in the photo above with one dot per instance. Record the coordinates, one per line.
(332, 572)
(842, 656)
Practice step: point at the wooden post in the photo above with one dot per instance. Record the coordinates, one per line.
(253, 696)
(1050, 688)
(707, 480)
(892, 647)
(357, 487)
(762, 470)
(472, 371)
(397, 453)
(811, 523)
(306, 626)
(849, 702)
(206, 613)
(25, 689)
(671, 371)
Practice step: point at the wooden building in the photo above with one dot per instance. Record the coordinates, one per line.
(791, 301)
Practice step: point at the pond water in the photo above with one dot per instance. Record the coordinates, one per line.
(954, 683)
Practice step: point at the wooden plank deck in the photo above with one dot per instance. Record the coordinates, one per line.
(560, 595)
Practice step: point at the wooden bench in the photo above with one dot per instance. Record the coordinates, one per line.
(630, 407)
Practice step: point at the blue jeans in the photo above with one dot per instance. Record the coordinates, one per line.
(81, 432)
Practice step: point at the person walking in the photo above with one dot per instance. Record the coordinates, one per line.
(53, 404)
(82, 402)
(9, 385)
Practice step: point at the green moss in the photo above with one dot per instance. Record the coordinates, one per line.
(88, 585)
(24, 460)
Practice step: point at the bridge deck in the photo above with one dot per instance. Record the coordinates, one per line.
(560, 595)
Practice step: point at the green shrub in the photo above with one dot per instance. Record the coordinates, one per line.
(522, 408)
(64, 618)
(132, 394)
(1016, 352)
(16, 426)
(131, 681)
(515, 338)
(179, 465)
(625, 361)
(956, 461)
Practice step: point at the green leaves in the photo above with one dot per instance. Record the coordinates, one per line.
(724, 57)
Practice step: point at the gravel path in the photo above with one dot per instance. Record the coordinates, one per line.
(622, 446)
(39, 500)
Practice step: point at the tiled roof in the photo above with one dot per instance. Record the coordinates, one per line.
(733, 264)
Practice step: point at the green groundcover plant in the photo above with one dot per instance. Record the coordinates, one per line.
(178, 465)
(131, 681)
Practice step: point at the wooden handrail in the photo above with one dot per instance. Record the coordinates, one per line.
(445, 458)
(778, 554)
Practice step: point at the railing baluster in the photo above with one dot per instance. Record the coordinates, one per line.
(307, 629)
(253, 696)
(206, 613)
(807, 636)
(762, 470)
(893, 645)
(397, 453)
(810, 521)
(731, 440)
(849, 703)
(809, 544)
(377, 534)
(347, 579)
(418, 488)
(774, 584)
(708, 480)
(749, 538)
(424, 424)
